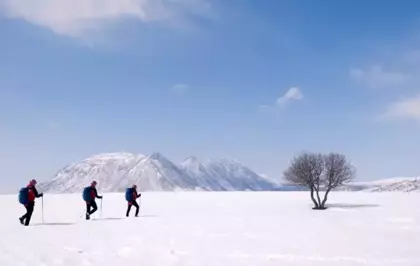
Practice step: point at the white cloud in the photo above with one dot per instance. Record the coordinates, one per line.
(376, 77)
(180, 88)
(397, 74)
(395, 70)
(408, 108)
(292, 94)
(77, 17)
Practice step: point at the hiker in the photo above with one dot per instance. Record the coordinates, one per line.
(27, 197)
(131, 196)
(89, 195)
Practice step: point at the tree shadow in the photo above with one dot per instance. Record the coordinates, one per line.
(52, 224)
(350, 206)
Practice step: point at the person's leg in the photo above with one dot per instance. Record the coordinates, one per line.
(88, 206)
(128, 209)
(137, 207)
(94, 207)
(29, 213)
(23, 217)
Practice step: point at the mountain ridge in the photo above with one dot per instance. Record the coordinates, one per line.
(155, 172)
(116, 171)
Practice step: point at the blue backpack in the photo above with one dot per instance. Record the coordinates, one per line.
(86, 194)
(23, 195)
(129, 194)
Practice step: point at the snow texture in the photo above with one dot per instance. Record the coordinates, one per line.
(216, 229)
(114, 172)
(397, 184)
(402, 184)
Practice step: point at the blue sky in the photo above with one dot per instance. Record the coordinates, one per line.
(255, 80)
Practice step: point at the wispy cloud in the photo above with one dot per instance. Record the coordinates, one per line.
(292, 94)
(377, 77)
(396, 71)
(407, 108)
(180, 88)
(77, 17)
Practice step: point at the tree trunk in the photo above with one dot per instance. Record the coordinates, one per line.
(325, 198)
(318, 197)
(313, 198)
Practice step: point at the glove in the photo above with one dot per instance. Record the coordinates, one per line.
(41, 194)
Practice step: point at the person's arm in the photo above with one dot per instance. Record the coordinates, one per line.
(37, 195)
(96, 194)
(138, 195)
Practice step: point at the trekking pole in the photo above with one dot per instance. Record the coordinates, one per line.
(140, 206)
(42, 208)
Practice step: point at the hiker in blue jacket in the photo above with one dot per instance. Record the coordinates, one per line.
(27, 199)
(131, 196)
(89, 195)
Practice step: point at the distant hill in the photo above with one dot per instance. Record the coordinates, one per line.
(116, 171)
(398, 184)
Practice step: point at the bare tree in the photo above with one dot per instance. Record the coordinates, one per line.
(338, 171)
(319, 172)
(306, 170)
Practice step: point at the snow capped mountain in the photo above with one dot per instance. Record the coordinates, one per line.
(232, 174)
(116, 171)
(224, 174)
(108, 169)
(156, 172)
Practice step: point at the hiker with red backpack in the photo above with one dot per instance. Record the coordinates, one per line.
(89, 195)
(27, 197)
(131, 196)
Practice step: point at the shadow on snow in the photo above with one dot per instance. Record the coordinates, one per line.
(122, 218)
(106, 219)
(56, 224)
(350, 206)
(97, 219)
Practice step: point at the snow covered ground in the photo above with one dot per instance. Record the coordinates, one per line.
(216, 228)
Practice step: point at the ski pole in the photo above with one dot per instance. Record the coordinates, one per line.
(101, 208)
(140, 207)
(42, 208)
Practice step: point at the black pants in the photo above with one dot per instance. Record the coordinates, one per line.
(26, 218)
(91, 207)
(135, 204)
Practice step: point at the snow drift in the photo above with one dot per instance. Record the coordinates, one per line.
(216, 229)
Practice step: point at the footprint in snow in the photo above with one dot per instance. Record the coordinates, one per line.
(86, 262)
(73, 249)
(125, 252)
(178, 252)
(400, 220)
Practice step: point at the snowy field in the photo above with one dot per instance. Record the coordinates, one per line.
(223, 229)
